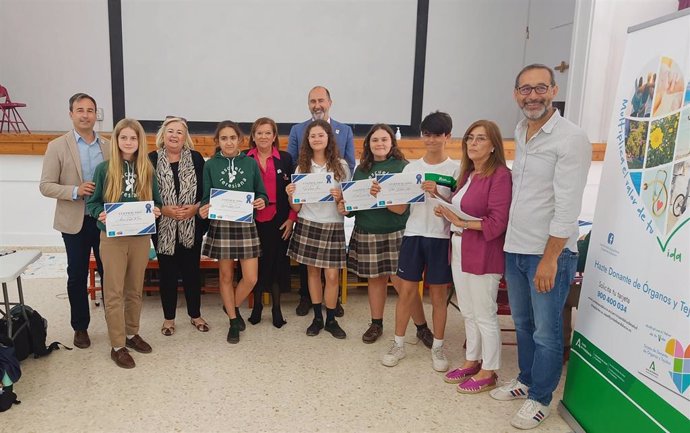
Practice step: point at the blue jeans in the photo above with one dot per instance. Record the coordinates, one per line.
(78, 247)
(538, 321)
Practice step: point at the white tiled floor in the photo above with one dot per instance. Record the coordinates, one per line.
(274, 380)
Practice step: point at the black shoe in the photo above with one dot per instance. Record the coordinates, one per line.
(303, 307)
(278, 320)
(335, 329)
(315, 327)
(241, 325)
(233, 335)
(255, 317)
(426, 336)
(339, 311)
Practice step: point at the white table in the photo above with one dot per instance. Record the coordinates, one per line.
(11, 268)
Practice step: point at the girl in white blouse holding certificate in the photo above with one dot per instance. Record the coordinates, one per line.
(318, 239)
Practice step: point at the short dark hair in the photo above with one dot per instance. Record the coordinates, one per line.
(78, 97)
(534, 66)
(437, 123)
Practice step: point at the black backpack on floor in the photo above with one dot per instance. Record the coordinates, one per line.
(31, 338)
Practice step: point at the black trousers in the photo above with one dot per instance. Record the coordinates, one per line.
(185, 263)
(274, 264)
(78, 247)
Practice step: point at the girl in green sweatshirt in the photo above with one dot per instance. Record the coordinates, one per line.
(229, 169)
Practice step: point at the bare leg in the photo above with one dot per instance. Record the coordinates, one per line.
(439, 297)
(250, 272)
(377, 296)
(331, 293)
(314, 282)
(226, 273)
(416, 310)
(407, 290)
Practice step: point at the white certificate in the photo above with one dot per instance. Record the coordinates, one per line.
(129, 218)
(400, 188)
(231, 205)
(456, 210)
(313, 187)
(357, 195)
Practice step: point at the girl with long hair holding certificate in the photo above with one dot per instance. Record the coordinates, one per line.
(127, 177)
(230, 169)
(318, 240)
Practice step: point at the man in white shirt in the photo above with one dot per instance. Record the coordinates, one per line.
(552, 159)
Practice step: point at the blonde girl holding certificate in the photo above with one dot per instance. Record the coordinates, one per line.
(318, 240)
(128, 176)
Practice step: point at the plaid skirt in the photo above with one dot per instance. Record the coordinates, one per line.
(318, 244)
(372, 255)
(231, 240)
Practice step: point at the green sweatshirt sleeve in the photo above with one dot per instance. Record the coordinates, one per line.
(157, 201)
(207, 183)
(94, 205)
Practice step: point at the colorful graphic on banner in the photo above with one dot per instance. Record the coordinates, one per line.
(633, 323)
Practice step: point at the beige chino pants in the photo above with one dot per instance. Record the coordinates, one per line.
(124, 263)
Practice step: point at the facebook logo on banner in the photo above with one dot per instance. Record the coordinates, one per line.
(610, 239)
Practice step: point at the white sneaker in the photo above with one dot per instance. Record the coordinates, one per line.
(394, 355)
(530, 415)
(438, 359)
(510, 391)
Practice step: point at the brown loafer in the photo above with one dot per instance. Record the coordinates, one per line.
(137, 343)
(122, 358)
(81, 339)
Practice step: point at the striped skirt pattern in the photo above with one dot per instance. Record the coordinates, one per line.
(318, 244)
(231, 240)
(372, 255)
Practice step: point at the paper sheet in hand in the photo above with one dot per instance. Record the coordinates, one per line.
(231, 205)
(313, 188)
(456, 210)
(400, 188)
(357, 195)
(129, 218)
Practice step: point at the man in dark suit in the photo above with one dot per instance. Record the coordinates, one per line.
(67, 176)
(319, 102)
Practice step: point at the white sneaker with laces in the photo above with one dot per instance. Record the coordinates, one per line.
(510, 391)
(438, 359)
(394, 355)
(530, 415)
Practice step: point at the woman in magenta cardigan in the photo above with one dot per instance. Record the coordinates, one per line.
(477, 261)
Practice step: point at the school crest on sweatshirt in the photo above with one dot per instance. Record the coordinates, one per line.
(232, 177)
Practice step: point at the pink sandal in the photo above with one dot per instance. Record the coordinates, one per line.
(474, 386)
(460, 375)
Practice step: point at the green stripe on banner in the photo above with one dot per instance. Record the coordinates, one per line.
(604, 397)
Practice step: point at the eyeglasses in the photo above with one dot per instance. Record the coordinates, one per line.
(176, 117)
(479, 139)
(539, 88)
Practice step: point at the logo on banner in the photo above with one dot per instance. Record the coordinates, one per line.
(680, 365)
(654, 147)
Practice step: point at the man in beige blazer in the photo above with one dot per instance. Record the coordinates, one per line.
(68, 167)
